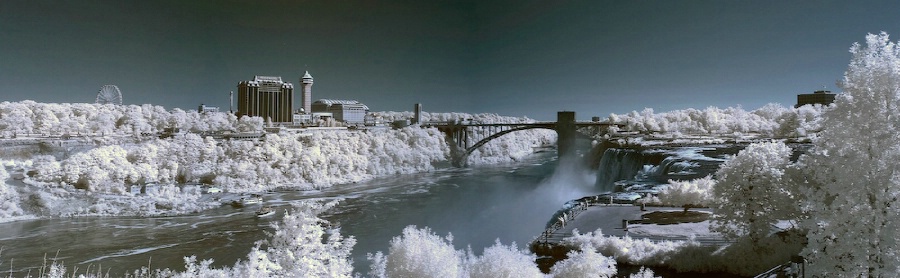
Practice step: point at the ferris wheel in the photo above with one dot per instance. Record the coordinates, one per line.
(109, 94)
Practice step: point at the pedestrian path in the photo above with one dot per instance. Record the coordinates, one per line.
(609, 218)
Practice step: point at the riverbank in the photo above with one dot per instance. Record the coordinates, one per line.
(465, 202)
(98, 180)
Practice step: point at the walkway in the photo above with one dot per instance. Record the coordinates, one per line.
(609, 218)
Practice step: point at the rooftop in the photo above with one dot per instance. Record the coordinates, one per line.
(337, 101)
(260, 78)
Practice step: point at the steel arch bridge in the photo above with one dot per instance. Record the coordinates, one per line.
(465, 138)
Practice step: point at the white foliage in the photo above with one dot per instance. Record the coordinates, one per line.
(53, 119)
(772, 120)
(626, 249)
(377, 265)
(319, 159)
(644, 273)
(103, 169)
(585, 263)
(421, 253)
(9, 197)
(690, 255)
(694, 193)
(752, 193)
(308, 160)
(852, 172)
(300, 248)
(16, 118)
(503, 261)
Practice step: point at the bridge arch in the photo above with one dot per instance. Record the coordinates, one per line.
(480, 143)
(457, 133)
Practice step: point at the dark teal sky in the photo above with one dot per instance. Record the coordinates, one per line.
(509, 57)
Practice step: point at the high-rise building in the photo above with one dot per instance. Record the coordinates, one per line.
(267, 97)
(306, 82)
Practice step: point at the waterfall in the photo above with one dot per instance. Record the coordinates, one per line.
(675, 166)
(621, 169)
(616, 165)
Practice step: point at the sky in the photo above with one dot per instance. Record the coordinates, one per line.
(515, 58)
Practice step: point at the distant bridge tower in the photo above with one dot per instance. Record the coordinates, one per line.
(306, 82)
(565, 128)
(417, 119)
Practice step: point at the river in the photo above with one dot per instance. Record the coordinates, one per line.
(511, 202)
(477, 205)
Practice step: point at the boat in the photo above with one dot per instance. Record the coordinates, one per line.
(252, 200)
(265, 211)
(245, 201)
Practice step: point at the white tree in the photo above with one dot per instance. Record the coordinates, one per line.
(852, 174)
(644, 273)
(421, 253)
(688, 194)
(301, 248)
(503, 261)
(249, 124)
(9, 197)
(15, 119)
(584, 263)
(45, 120)
(751, 193)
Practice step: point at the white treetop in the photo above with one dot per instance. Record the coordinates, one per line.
(687, 194)
(751, 193)
(770, 120)
(852, 173)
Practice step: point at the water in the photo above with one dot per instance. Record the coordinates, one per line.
(477, 205)
(120, 244)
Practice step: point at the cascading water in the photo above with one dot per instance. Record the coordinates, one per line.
(621, 169)
(616, 165)
(675, 166)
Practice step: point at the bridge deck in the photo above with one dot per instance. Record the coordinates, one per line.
(461, 133)
(580, 124)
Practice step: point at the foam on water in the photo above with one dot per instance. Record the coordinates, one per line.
(130, 252)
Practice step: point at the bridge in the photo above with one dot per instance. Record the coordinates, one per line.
(466, 137)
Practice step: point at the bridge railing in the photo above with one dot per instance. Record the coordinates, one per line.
(478, 124)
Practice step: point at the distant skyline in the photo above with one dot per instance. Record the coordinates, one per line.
(515, 58)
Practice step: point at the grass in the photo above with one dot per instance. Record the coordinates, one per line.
(673, 217)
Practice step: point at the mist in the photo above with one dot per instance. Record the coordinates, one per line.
(520, 204)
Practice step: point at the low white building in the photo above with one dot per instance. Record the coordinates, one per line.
(207, 109)
(348, 111)
(300, 119)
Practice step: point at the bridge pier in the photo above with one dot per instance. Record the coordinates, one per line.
(458, 155)
(566, 132)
